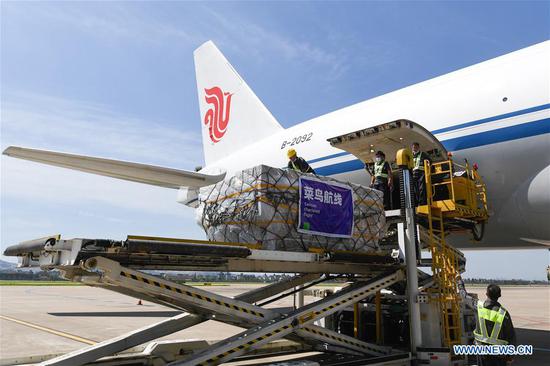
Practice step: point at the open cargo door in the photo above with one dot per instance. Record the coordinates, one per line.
(389, 137)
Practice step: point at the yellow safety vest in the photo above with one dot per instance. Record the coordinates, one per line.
(497, 317)
(379, 170)
(418, 161)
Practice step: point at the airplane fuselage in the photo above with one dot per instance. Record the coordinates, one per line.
(495, 114)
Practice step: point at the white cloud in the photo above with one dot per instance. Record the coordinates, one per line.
(39, 200)
(237, 31)
(111, 21)
(32, 181)
(81, 127)
(85, 128)
(122, 22)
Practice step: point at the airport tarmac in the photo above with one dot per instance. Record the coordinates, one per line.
(38, 320)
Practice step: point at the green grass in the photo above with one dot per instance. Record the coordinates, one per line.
(37, 283)
(478, 285)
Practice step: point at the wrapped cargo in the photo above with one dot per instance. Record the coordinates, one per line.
(262, 205)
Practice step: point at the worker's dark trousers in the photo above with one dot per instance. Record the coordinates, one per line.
(487, 360)
(419, 186)
(382, 185)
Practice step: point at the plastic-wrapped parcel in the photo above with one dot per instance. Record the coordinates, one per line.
(260, 205)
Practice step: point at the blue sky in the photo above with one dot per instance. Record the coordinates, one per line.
(116, 79)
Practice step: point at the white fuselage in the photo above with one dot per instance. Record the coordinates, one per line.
(496, 114)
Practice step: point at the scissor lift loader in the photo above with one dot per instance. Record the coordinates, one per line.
(109, 264)
(373, 281)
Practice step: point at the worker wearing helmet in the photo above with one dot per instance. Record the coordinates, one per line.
(297, 163)
(381, 177)
(418, 174)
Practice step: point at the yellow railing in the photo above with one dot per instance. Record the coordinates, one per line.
(445, 268)
(465, 195)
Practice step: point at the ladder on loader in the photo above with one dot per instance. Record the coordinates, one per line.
(459, 205)
(445, 269)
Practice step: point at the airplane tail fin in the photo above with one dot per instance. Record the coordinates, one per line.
(232, 116)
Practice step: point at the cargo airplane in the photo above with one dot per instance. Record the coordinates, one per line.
(495, 113)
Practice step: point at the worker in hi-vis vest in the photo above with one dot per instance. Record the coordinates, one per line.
(493, 324)
(381, 177)
(419, 176)
(297, 163)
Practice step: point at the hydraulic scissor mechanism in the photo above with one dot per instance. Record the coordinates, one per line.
(268, 324)
(264, 325)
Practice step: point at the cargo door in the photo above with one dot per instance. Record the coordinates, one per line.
(389, 137)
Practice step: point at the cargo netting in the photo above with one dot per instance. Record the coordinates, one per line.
(260, 206)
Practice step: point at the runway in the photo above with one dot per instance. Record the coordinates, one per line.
(46, 320)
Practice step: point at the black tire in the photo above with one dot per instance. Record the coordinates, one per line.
(478, 231)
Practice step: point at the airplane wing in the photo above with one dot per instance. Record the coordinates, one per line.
(135, 172)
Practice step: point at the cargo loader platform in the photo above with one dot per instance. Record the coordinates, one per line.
(116, 265)
(119, 265)
(387, 312)
(153, 253)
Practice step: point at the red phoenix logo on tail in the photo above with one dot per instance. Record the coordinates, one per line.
(217, 117)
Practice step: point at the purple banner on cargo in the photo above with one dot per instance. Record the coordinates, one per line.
(326, 208)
